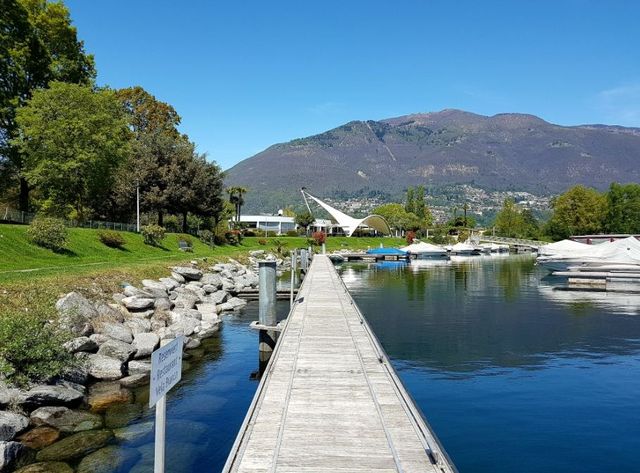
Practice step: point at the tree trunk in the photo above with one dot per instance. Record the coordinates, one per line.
(185, 226)
(24, 195)
(160, 218)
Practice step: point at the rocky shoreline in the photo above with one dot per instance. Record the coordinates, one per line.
(54, 426)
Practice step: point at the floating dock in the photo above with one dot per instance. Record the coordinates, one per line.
(329, 400)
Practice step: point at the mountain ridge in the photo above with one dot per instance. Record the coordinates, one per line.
(506, 151)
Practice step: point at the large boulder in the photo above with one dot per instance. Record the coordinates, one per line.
(138, 303)
(7, 395)
(135, 434)
(145, 343)
(106, 394)
(163, 303)
(236, 303)
(117, 349)
(186, 301)
(120, 415)
(138, 325)
(139, 367)
(39, 437)
(178, 278)
(11, 424)
(81, 344)
(11, 454)
(108, 460)
(75, 446)
(104, 367)
(132, 291)
(65, 419)
(46, 467)
(189, 274)
(156, 288)
(112, 312)
(135, 380)
(218, 297)
(169, 283)
(76, 313)
(116, 331)
(51, 396)
(212, 279)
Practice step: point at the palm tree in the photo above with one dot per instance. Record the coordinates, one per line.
(235, 197)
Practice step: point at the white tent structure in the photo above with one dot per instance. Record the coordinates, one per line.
(349, 224)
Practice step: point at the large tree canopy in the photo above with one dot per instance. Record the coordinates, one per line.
(73, 140)
(580, 210)
(623, 208)
(38, 44)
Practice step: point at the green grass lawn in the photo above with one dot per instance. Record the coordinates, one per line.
(22, 260)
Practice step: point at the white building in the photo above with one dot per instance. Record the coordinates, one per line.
(281, 224)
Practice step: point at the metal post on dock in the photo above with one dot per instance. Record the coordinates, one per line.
(324, 249)
(304, 262)
(267, 310)
(293, 275)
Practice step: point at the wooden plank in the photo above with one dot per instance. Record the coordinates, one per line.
(330, 400)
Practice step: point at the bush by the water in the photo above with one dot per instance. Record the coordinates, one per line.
(292, 233)
(31, 349)
(233, 237)
(112, 239)
(319, 237)
(152, 234)
(206, 236)
(262, 242)
(49, 233)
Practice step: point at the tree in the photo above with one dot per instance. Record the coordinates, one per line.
(530, 225)
(509, 222)
(398, 218)
(580, 210)
(623, 208)
(73, 139)
(304, 220)
(237, 199)
(419, 207)
(37, 45)
(409, 205)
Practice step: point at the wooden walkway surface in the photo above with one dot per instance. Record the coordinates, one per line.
(330, 401)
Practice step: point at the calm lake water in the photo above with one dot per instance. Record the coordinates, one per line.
(512, 374)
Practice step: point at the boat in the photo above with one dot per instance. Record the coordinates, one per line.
(568, 255)
(424, 250)
(465, 249)
(383, 252)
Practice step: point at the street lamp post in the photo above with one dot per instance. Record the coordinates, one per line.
(138, 206)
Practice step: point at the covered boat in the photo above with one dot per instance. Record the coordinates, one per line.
(425, 250)
(621, 254)
(383, 252)
(464, 249)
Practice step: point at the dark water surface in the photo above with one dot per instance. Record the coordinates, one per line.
(513, 374)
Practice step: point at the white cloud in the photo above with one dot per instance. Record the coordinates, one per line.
(620, 105)
(327, 108)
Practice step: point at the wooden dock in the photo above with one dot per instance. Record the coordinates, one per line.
(329, 400)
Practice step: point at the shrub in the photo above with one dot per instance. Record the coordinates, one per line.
(30, 349)
(112, 239)
(48, 232)
(410, 236)
(319, 238)
(171, 224)
(279, 245)
(249, 233)
(292, 233)
(206, 236)
(233, 237)
(152, 234)
(262, 241)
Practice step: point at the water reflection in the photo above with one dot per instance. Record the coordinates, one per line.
(484, 313)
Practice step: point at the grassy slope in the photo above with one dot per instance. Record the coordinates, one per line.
(23, 263)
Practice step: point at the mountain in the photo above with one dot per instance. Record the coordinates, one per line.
(503, 152)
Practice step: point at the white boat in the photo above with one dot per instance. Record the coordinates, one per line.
(426, 250)
(464, 249)
(564, 255)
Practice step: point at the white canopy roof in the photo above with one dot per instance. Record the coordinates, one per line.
(350, 224)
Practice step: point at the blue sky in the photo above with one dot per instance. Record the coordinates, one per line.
(247, 74)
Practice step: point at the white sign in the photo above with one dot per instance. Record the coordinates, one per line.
(166, 369)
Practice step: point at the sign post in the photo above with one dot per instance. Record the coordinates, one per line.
(166, 371)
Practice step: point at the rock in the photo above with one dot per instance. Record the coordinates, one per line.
(139, 367)
(99, 338)
(76, 313)
(117, 332)
(75, 446)
(76, 375)
(11, 424)
(150, 284)
(81, 344)
(46, 467)
(51, 396)
(11, 455)
(135, 380)
(145, 343)
(257, 253)
(186, 326)
(186, 301)
(113, 313)
(135, 434)
(143, 314)
(165, 333)
(169, 283)
(194, 289)
(65, 419)
(108, 460)
(39, 437)
(117, 349)
(138, 325)
(104, 367)
(207, 332)
(192, 343)
(120, 415)
(218, 297)
(228, 285)
(103, 395)
(178, 278)
(137, 303)
(236, 303)
(162, 303)
(132, 291)
(70, 385)
(178, 314)
(207, 308)
(190, 274)
(157, 323)
(7, 394)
